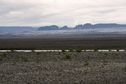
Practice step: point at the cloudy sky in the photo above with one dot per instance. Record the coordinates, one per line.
(61, 12)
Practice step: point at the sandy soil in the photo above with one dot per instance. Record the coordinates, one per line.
(63, 68)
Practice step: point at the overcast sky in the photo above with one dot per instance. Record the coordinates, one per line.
(61, 12)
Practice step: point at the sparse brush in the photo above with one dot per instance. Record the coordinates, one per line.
(124, 69)
(68, 56)
(105, 54)
(78, 50)
(33, 51)
(95, 50)
(24, 59)
(3, 56)
(38, 53)
(86, 63)
(12, 50)
(63, 51)
(1, 59)
(71, 50)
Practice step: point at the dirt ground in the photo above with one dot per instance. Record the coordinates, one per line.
(63, 68)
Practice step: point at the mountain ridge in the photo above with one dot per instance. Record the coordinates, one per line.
(83, 26)
(13, 29)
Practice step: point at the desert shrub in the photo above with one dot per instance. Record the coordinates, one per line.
(117, 50)
(124, 69)
(86, 63)
(78, 50)
(71, 50)
(105, 60)
(37, 59)
(67, 56)
(38, 53)
(95, 50)
(24, 59)
(32, 51)
(63, 51)
(12, 50)
(3, 56)
(105, 54)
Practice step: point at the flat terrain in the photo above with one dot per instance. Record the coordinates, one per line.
(57, 43)
(63, 68)
(72, 41)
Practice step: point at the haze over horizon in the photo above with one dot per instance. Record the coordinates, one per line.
(61, 12)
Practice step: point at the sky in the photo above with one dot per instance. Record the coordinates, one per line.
(61, 12)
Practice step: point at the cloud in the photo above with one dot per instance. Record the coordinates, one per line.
(61, 12)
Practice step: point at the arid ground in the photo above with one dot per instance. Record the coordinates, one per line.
(63, 68)
(63, 43)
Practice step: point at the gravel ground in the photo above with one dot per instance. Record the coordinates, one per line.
(63, 68)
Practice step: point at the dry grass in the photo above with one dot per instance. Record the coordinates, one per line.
(63, 68)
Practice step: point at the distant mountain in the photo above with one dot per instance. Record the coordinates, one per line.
(52, 27)
(84, 26)
(79, 26)
(113, 25)
(16, 29)
(64, 28)
(109, 25)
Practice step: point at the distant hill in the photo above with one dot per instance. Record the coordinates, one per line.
(114, 25)
(64, 28)
(52, 27)
(84, 26)
(16, 29)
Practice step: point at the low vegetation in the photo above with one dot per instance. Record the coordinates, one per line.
(65, 67)
(68, 56)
